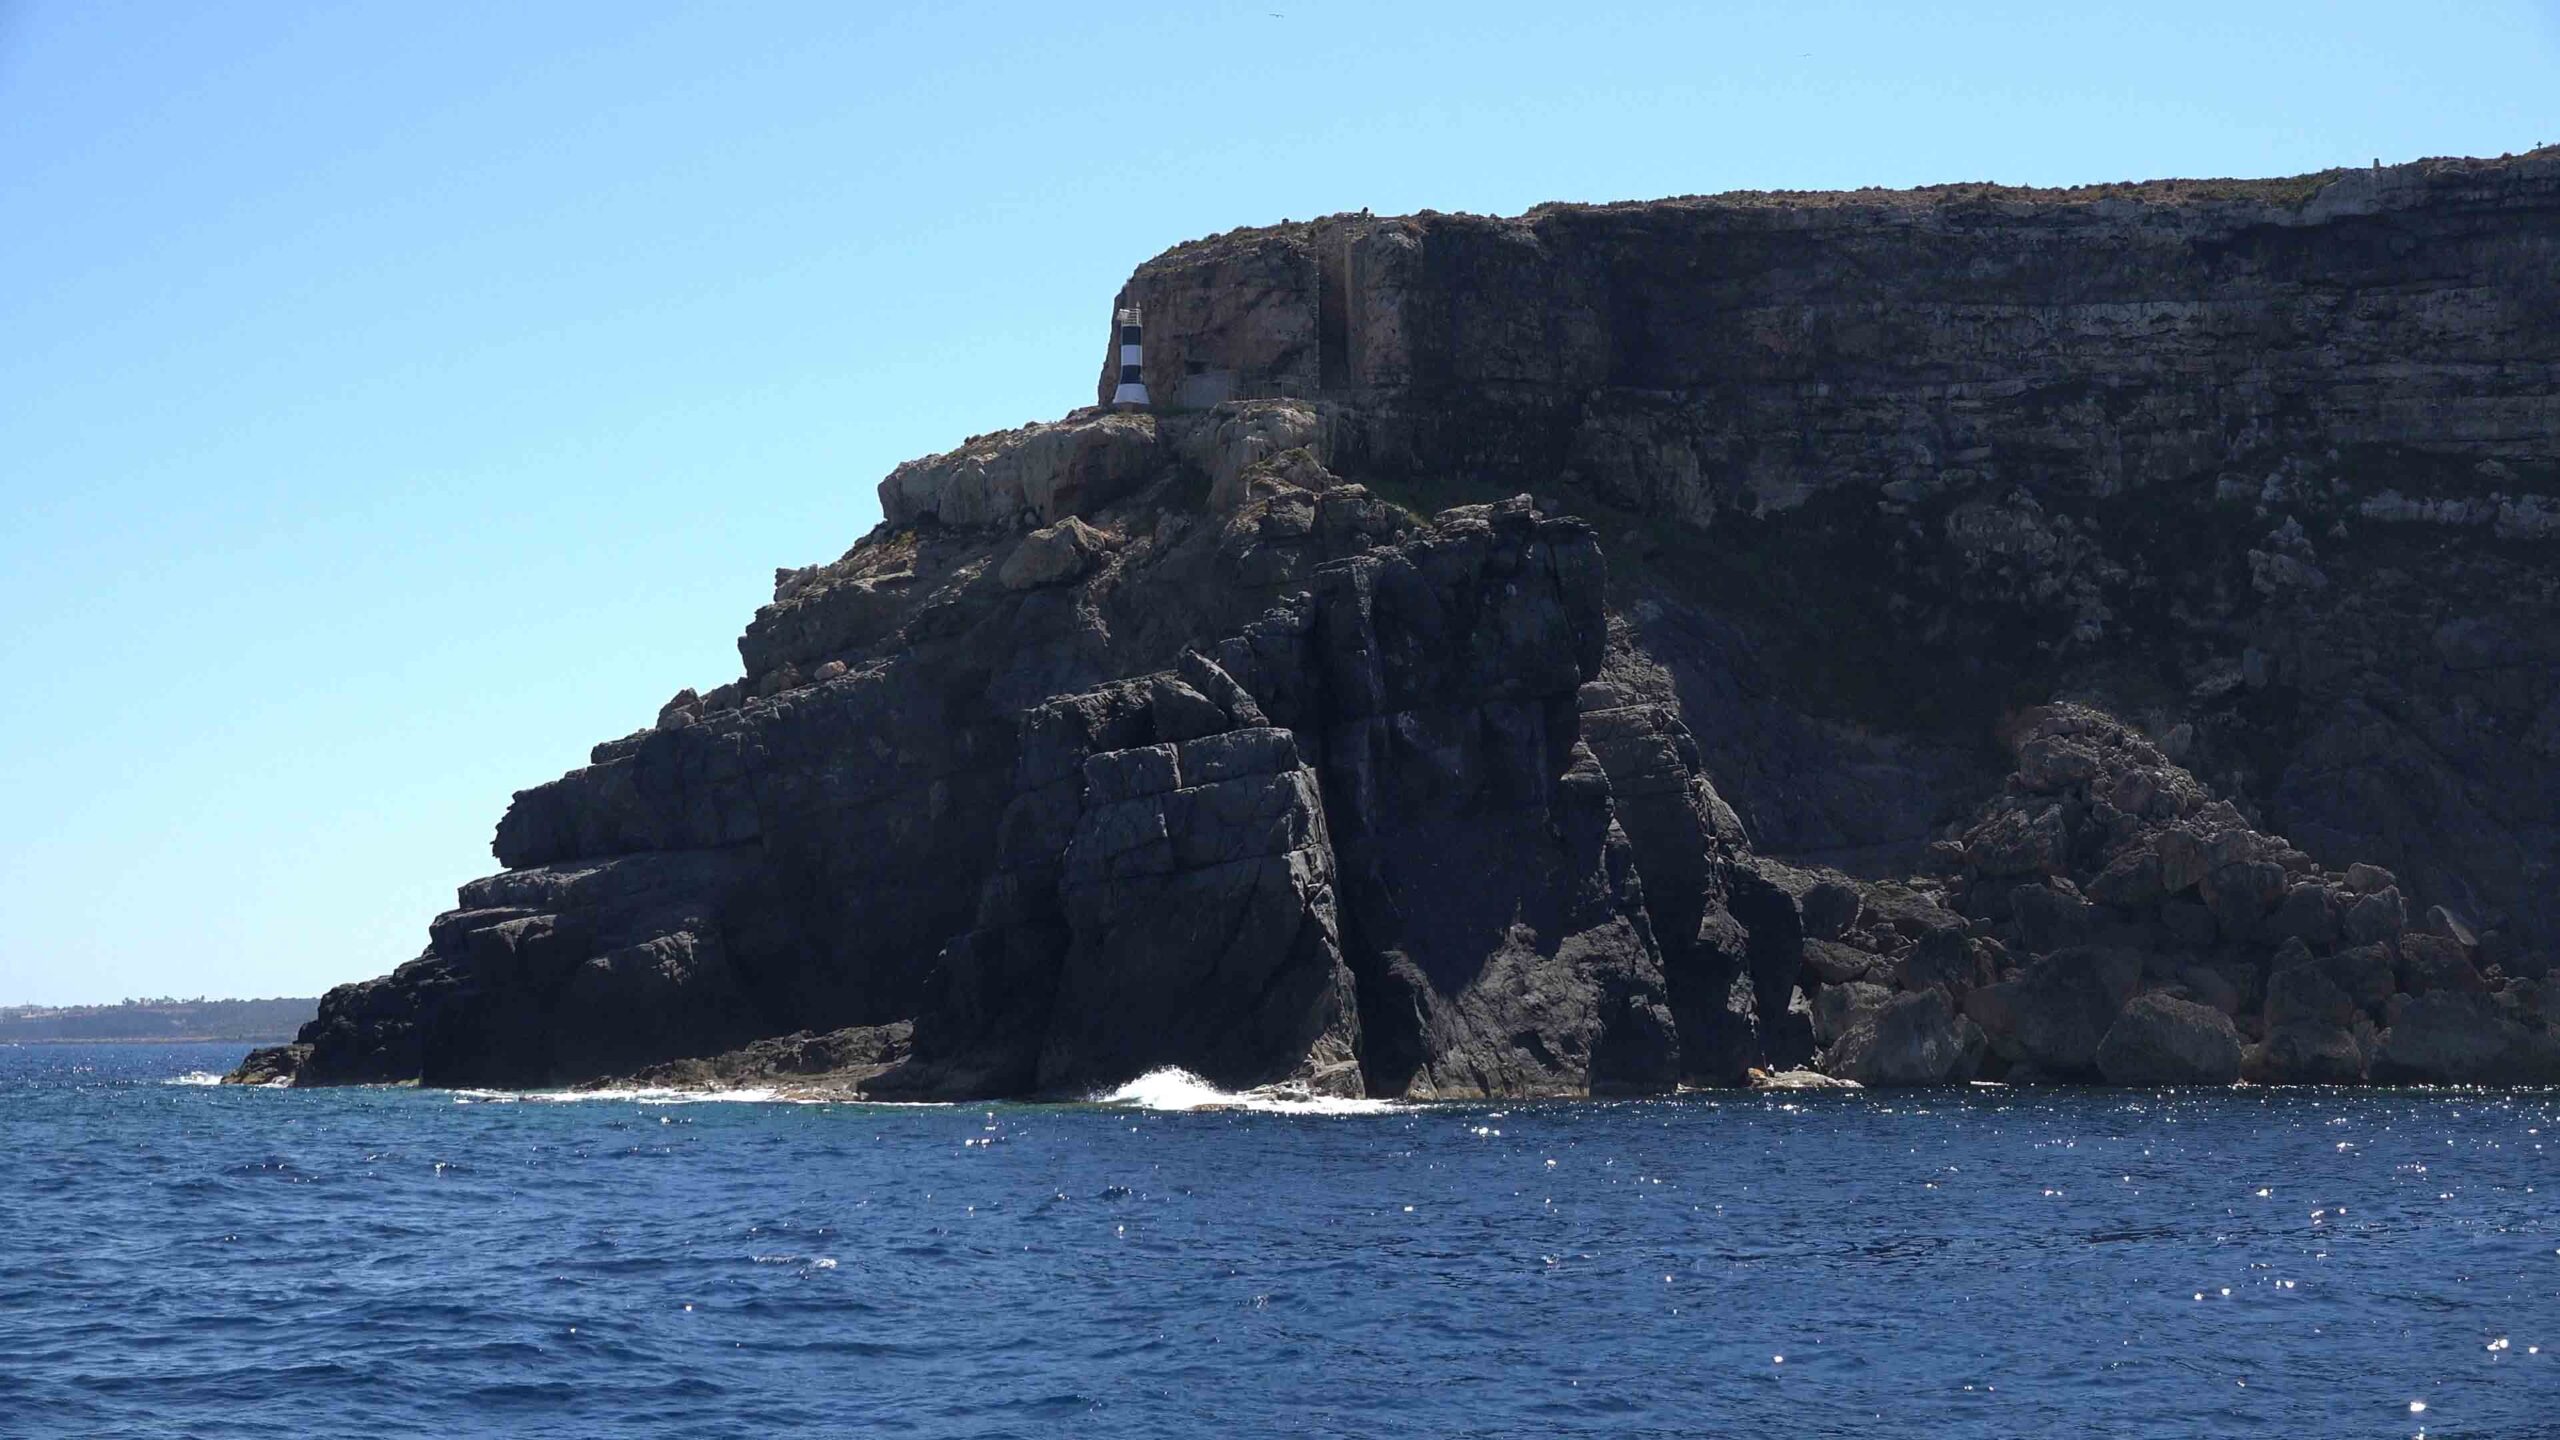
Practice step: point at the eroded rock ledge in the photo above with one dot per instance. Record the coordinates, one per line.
(2036, 557)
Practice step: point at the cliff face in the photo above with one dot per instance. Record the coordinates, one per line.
(2271, 460)
(1695, 358)
(1195, 738)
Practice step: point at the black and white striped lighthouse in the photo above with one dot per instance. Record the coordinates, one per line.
(1132, 392)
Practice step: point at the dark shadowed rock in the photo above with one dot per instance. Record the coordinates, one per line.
(2051, 916)
(2310, 993)
(2305, 1052)
(2444, 924)
(1914, 1039)
(2450, 1037)
(2158, 1040)
(1833, 963)
(270, 1065)
(1838, 1008)
(1830, 908)
(2057, 1013)
(838, 1065)
(1947, 960)
(2433, 962)
(2376, 917)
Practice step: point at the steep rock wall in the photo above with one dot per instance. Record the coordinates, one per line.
(2277, 462)
(1746, 352)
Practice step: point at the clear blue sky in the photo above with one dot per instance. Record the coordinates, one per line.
(396, 399)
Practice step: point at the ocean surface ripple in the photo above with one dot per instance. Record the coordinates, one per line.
(183, 1259)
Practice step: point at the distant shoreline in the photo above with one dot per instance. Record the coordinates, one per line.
(252, 1040)
(168, 1020)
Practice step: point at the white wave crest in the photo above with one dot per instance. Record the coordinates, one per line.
(636, 1094)
(1173, 1088)
(670, 1095)
(194, 1077)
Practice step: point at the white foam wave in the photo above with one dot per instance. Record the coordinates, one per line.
(1173, 1088)
(636, 1094)
(669, 1095)
(194, 1077)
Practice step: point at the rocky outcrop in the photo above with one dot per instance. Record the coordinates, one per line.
(2106, 918)
(1053, 555)
(838, 1065)
(270, 1065)
(1039, 473)
(1359, 842)
(1969, 633)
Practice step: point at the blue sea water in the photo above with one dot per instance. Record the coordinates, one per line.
(179, 1259)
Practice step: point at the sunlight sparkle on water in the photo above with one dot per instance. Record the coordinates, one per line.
(603, 1208)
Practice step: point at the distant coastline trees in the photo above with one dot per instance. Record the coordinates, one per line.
(157, 1018)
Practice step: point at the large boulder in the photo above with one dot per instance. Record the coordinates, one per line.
(2241, 894)
(1838, 1008)
(2377, 917)
(1233, 441)
(2433, 962)
(2058, 1011)
(1832, 963)
(1912, 1039)
(2338, 989)
(1052, 555)
(2161, 1040)
(1948, 960)
(1831, 906)
(2051, 915)
(1036, 475)
(2450, 1037)
(2305, 1052)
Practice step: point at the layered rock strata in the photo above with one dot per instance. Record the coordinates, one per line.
(2275, 461)
(1993, 581)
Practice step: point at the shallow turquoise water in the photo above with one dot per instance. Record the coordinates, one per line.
(177, 1259)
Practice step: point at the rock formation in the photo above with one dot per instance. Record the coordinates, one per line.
(2108, 634)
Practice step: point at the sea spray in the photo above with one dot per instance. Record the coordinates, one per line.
(1173, 1088)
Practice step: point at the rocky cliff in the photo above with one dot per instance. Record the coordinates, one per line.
(2109, 633)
